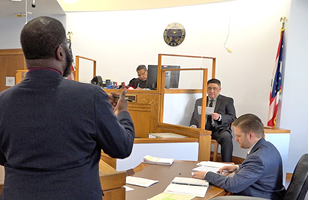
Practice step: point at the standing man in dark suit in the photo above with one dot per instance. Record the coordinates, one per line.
(52, 129)
(260, 174)
(220, 120)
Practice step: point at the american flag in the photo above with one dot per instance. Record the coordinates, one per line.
(276, 85)
(69, 42)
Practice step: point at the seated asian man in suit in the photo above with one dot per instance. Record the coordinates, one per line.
(220, 120)
(260, 174)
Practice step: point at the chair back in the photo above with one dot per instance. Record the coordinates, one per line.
(298, 187)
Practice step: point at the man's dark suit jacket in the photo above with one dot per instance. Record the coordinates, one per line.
(52, 131)
(260, 175)
(224, 106)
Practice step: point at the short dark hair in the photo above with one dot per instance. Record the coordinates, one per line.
(214, 80)
(250, 123)
(140, 67)
(41, 36)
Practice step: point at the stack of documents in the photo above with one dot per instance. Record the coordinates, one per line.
(166, 196)
(143, 182)
(187, 186)
(159, 161)
(209, 166)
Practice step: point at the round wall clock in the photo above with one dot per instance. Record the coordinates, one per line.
(174, 34)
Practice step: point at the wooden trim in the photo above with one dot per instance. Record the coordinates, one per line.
(76, 74)
(164, 140)
(289, 177)
(276, 130)
(11, 52)
(188, 56)
(187, 91)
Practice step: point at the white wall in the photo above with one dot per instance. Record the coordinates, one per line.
(121, 40)
(294, 111)
(11, 28)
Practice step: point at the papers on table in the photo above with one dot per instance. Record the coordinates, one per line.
(159, 161)
(166, 196)
(128, 188)
(187, 186)
(143, 182)
(209, 166)
(190, 181)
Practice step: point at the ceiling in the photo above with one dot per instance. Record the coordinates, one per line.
(10, 9)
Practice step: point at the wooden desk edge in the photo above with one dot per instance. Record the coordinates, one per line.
(275, 130)
(164, 140)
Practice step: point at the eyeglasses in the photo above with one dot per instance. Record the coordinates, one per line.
(213, 88)
(142, 74)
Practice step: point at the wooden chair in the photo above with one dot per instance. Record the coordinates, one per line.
(216, 145)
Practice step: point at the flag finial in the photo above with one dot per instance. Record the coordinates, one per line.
(70, 33)
(283, 20)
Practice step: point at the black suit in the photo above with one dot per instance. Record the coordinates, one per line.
(221, 130)
(52, 131)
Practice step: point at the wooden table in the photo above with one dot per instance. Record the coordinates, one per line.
(165, 175)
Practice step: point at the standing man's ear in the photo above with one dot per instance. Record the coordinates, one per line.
(59, 54)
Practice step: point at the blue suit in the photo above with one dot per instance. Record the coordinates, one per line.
(52, 131)
(260, 175)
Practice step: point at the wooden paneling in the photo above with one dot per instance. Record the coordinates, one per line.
(112, 182)
(144, 111)
(10, 61)
(115, 194)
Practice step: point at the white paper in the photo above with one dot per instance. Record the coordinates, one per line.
(159, 161)
(206, 169)
(128, 188)
(143, 182)
(166, 196)
(209, 110)
(209, 166)
(190, 181)
(9, 81)
(212, 164)
(198, 191)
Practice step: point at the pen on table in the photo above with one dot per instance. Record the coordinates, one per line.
(224, 171)
(116, 97)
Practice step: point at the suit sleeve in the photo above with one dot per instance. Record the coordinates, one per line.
(115, 135)
(250, 171)
(228, 114)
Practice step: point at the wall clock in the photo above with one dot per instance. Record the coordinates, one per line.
(174, 34)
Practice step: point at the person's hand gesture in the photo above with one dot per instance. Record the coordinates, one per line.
(119, 103)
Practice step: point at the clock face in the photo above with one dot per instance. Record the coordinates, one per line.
(174, 34)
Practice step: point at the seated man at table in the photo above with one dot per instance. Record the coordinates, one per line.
(140, 82)
(260, 174)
